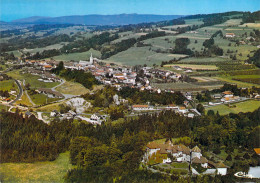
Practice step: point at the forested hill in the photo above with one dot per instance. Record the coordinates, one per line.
(121, 19)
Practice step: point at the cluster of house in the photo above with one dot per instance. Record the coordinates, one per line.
(95, 118)
(178, 109)
(45, 65)
(46, 76)
(225, 97)
(181, 153)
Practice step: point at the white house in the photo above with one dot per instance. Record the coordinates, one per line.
(221, 168)
(196, 152)
(230, 35)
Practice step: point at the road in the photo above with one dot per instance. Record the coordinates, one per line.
(28, 95)
(20, 92)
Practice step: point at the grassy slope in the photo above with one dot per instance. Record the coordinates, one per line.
(72, 88)
(8, 85)
(247, 106)
(37, 172)
(78, 56)
(24, 100)
(141, 56)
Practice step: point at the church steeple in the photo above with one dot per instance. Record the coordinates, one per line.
(91, 59)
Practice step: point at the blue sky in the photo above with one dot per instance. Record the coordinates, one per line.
(15, 9)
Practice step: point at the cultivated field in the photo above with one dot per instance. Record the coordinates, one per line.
(194, 67)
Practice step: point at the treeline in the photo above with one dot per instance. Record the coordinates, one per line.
(29, 139)
(44, 54)
(101, 158)
(34, 28)
(94, 42)
(31, 42)
(181, 46)
(128, 43)
(255, 59)
(113, 152)
(249, 17)
(104, 97)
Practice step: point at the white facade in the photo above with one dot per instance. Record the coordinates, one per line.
(222, 171)
(196, 154)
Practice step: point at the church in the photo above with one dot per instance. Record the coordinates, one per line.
(85, 63)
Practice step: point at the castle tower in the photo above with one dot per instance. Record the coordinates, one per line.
(91, 59)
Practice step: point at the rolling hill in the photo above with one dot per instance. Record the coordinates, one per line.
(121, 19)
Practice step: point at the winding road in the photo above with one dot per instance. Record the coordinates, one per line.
(20, 92)
(28, 96)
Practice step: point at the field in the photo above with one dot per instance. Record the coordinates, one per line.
(50, 107)
(48, 171)
(31, 79)
(246, 106)
(187, 86)
(208, 61)
(127, 35)
(40, 99)
(254, 25)
(54, 46)
(140, 56)
(194, 67)
(3, 107)
(24, 100)
(72, 88)
(8, 85)
(230, 79)
(78, 56)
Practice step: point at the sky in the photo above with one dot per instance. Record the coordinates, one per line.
(16, 9)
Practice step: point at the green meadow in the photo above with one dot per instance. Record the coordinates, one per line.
(47, 171)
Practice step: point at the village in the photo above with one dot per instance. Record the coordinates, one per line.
(114, 76)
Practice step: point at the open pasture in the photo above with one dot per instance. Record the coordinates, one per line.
(47, 171)
(140, 56)
(128, 35)
(54, 46)
(72, 88)
(8, 85)
(78, 56)
(246, 106)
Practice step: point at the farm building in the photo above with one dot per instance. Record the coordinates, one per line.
(230, 35)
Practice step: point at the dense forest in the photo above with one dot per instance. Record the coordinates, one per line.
(110, 152)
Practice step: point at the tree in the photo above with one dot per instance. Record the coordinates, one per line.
(229, 158)
(200, 108)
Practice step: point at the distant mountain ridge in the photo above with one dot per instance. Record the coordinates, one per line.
(120, 19)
